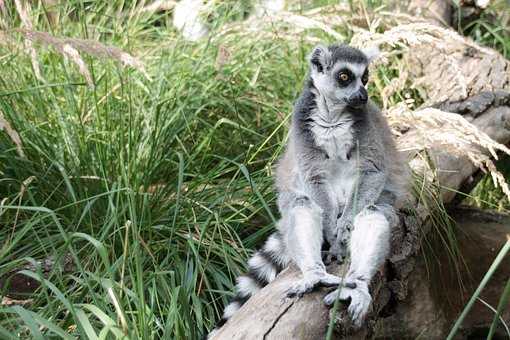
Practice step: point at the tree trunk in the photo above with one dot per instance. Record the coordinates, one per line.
(405, 303)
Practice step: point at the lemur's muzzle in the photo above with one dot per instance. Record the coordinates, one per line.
(358, 98)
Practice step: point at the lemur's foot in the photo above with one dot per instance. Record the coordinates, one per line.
(356, 293)
(312, 281)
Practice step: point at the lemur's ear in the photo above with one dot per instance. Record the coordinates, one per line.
(371, 53)
(320, 58)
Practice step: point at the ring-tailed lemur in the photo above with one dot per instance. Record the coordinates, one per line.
(339, 182)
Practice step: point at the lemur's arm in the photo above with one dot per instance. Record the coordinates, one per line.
(321, 193)
(310, 213)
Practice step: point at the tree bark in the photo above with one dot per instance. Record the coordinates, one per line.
(404, 304)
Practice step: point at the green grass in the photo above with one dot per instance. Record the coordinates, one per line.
(491, 28)
(156, 188)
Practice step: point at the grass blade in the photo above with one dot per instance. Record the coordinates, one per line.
(503, 303)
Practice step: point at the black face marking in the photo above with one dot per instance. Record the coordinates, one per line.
(315, 61)
(364, 78)
(345, 77)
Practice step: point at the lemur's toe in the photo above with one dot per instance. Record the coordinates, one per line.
(343, 294)
(330, 281)
(358, 308)
(297, 293)
(308, 284)
(331, 297)
(298, 290)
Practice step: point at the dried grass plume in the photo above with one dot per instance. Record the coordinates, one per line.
(13, 134)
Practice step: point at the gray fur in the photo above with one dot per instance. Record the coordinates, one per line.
(340, 174)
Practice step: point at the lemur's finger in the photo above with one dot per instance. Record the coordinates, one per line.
(299, 290)
(339, 294)
(330, 281)
(326, 260)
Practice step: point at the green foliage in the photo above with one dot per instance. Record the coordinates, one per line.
(491, 28)
(489, 196)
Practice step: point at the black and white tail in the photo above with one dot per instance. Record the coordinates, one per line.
(263, 267)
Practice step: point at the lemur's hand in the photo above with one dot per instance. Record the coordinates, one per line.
(356, 293)
(340, 247)
(312, 280)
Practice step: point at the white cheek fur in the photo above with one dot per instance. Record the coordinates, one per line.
(341, 94)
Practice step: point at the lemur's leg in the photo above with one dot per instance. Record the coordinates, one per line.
(303, 240)
(369, 248)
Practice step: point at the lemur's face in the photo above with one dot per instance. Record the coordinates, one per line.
(340, 73)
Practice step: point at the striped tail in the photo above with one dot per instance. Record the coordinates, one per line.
(263, 267)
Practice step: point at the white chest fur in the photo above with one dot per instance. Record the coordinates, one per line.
(342, 176)
(338, 142)
(335, 139)
(333, 132)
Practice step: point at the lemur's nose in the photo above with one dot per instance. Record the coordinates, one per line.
(358, 98)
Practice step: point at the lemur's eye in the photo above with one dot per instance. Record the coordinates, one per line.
(344, 76)
(364, 78)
